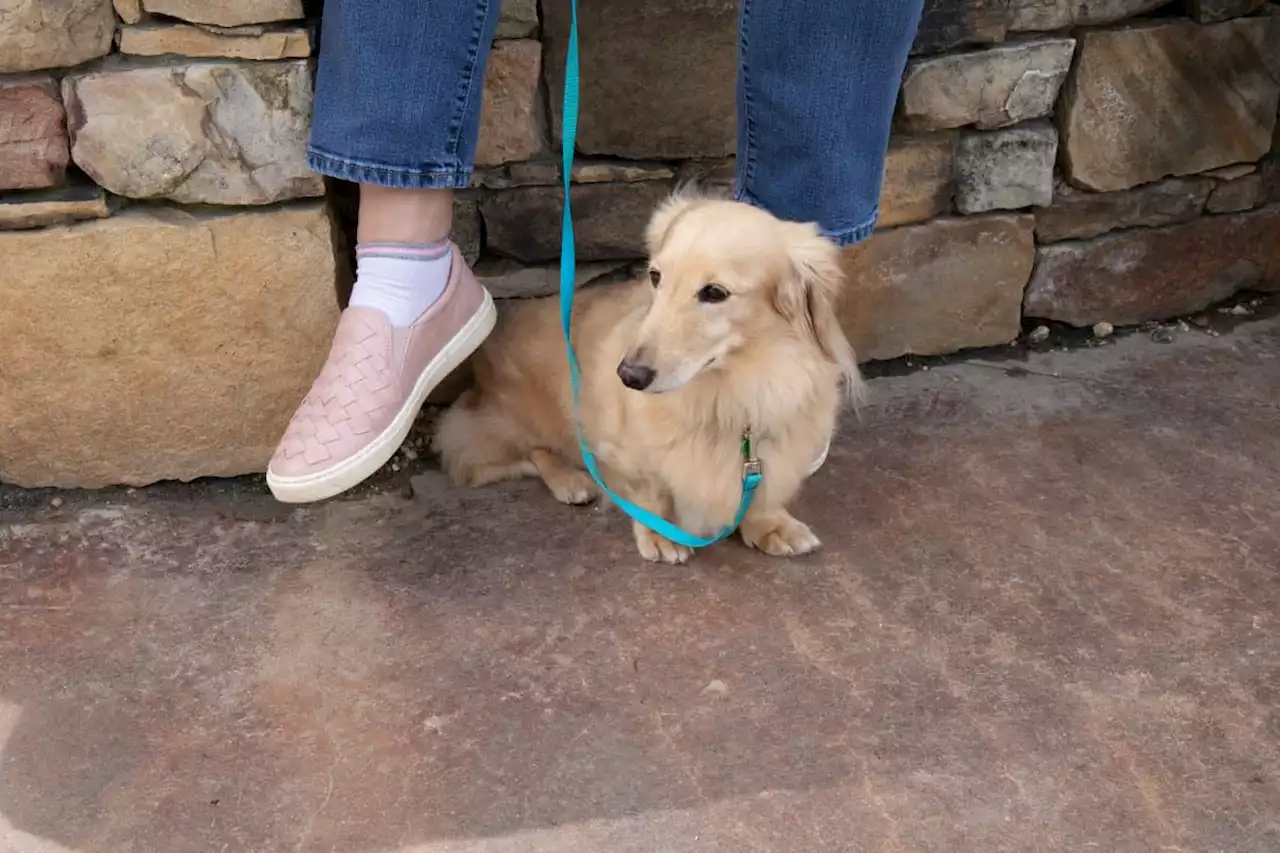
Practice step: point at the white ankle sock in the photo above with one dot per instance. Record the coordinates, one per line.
(402, 280)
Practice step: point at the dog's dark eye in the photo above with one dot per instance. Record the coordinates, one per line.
(655, 277)
(712, 293)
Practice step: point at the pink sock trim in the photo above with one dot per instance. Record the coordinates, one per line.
(414, 251)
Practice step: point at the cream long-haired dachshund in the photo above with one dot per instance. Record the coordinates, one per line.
(734, 329)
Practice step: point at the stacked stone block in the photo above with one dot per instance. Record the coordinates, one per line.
(170, 262)
(168, 271)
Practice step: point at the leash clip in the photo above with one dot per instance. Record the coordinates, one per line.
(751, 467)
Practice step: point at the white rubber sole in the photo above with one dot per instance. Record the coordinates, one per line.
(356, 469)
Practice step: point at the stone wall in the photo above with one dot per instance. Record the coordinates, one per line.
(170, 264)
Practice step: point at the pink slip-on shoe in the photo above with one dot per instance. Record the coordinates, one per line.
(363, 403)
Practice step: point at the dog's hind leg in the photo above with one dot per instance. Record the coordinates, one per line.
(476, 445)
(570, 485)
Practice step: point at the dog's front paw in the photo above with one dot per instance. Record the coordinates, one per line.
(659, 549)
(573, 487)
(779, 535)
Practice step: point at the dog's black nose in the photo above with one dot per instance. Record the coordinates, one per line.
(637, 377)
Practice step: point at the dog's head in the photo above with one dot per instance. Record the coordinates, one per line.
(727, 278)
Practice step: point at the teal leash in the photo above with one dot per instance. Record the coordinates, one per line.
(751, 472)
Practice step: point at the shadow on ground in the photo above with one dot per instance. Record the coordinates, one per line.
(1045, 618)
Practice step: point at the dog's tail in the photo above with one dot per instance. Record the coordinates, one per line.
(477, 446)
(856, 392)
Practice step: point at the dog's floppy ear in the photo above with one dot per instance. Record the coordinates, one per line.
(666, 216)
(809, 295)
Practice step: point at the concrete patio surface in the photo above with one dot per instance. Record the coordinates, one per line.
(1046, 617)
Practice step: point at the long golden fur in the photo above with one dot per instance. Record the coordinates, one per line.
(770, 357)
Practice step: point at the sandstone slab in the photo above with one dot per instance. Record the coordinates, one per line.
(1230, 173)
(715, 178)
(604, 171)
(510, 280)
(1079, 214)
(467, 233)
(1244, 193)
(1006, 169)
(1042, 15)
(1270, 172)
(236, 43)
(535, 173)
(36, 209)
(1209, 11)
(609, 220)
(935, 288)
(1170, 99)
(37, 34)
(130, 11)
(718, 170)
(945, 24)
(33, 134)
(183, 357)
(517, 19)
(917, 184)
(511, 115)
(227, 13)
(657, 76)
(988, 88)
(217, 133)
(1154, 274)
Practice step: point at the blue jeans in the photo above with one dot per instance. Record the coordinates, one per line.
(399, 88)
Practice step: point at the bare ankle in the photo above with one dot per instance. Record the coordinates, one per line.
(393, 215)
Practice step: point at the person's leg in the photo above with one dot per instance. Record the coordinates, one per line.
(817, 85)
(398, 97)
